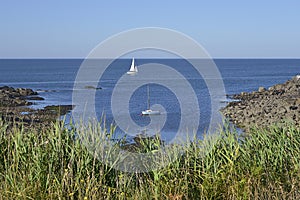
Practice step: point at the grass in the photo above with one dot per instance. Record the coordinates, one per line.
(51, 164)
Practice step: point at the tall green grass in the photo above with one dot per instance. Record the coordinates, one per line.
(51, 164)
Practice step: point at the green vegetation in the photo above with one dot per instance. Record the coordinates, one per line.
(51, 164)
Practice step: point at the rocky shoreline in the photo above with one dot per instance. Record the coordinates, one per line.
(278, 104)
(14, 107)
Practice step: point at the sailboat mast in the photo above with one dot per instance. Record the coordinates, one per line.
(148, 91)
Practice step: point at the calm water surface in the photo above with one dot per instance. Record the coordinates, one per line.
(54, 79)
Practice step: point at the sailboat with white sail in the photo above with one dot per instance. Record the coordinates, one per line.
(149, 111)
(133, 69)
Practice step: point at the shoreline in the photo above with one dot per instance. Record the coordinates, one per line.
(15, 108)
(279, 104)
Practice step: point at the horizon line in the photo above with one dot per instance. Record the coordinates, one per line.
(82, 58)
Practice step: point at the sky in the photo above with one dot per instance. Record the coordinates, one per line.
(226, 29)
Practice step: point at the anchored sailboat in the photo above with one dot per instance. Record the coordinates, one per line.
(133, 69)
(149, 111)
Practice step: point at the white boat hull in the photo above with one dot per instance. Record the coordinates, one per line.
(131, 72)
(150, 112)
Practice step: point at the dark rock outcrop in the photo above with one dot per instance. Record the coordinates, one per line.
(279, 104)
(14, 108)
(11, 97)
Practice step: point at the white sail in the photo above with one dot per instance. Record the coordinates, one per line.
(133, 68)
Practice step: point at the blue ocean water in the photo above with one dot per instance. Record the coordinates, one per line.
(54, 80)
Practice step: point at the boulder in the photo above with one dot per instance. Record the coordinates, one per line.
(261, 89)
(25, 92)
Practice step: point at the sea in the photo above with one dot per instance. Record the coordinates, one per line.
(54, 80)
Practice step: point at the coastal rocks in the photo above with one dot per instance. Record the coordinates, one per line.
(11, 97)
(14, 108)
(25, 92)
(279, 104)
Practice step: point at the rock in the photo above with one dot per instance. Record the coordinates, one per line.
(92, 87)
(59, 109)
(278, 104)
(14, 110)
(261, 89)
(271, 88)
(18, 102)
(25, 92)
(11, 97)
(243, 93)
(281, 110)
(293, 107)
(35, 98)
(278, 87)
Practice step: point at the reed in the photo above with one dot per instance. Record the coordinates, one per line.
(53, 164)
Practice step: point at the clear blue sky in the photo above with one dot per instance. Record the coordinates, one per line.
(61, 28)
